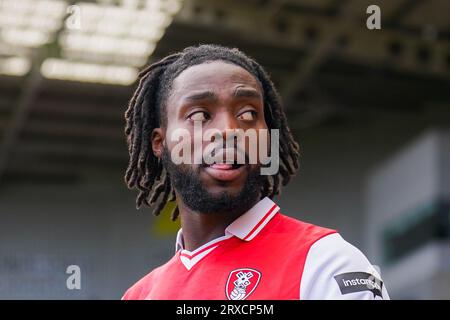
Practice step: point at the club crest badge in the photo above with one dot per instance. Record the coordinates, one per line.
(241, 283)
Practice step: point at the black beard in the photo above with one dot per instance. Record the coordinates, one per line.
(197, 198)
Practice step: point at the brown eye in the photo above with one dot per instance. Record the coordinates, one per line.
(247, 116)
(198, 116)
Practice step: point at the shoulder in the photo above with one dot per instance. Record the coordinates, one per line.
(335, 269)
(141, 288)
(305, 234)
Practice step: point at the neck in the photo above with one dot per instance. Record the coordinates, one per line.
(199, 228)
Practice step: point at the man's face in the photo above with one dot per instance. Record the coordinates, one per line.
(220, 96)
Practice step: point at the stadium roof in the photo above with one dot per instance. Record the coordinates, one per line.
(67, 68)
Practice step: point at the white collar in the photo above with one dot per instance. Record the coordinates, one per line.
(245, 227)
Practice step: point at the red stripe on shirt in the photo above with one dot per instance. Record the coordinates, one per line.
(260, 222)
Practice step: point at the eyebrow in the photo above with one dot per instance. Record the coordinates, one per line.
(212, 96)
(246, 93)
(201, 96)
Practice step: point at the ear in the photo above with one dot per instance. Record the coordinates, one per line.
(157, 139)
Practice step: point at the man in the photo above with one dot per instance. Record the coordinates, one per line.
(234, 243)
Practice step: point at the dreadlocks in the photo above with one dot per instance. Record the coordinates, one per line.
(146, 111)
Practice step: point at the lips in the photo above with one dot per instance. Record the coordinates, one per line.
(224, 171)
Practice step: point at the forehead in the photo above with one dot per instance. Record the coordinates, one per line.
(214, 75)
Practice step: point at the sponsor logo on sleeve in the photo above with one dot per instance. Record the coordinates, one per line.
(359, 281)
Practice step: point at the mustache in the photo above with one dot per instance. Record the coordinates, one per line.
(226, 155)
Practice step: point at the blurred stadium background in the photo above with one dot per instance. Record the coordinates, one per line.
(370, 108)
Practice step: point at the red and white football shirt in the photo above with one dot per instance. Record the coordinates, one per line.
(264, 255)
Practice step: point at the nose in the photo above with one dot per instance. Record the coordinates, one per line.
(226, 123)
